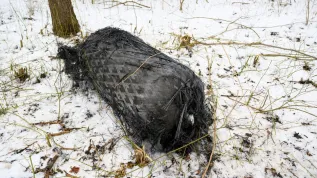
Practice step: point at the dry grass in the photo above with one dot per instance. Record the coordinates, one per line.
(256, 101)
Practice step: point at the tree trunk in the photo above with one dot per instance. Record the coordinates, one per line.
(64, 19)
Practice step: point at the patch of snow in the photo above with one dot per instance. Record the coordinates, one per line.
(266, 118)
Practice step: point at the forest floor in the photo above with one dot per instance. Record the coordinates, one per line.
(258, 57)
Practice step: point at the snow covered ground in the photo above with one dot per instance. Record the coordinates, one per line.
(258, 56)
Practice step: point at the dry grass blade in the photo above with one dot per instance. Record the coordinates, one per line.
(181, 5)
(256, 44)
(121, 172)
(214, 141)
(21, 74)
(59, 133)
(141, 158)
(128, 3)
(129, 75)
(50, 123)
(230, 22)
(185, 42)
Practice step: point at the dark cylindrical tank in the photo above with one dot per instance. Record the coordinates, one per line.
(155, 97)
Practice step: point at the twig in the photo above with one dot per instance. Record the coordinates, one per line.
(214, 141)
(61, 147)
(312, 164)
(17, 151)
(21, 150)
(283, 55)
(303, 166)
(243, 3)
(47, 170)
(32, 166)
(231, 22)
(307, 12)
(181, 5)
(59, 133)
(255, 44)
(292, 172)
(127, 2)
(49, 123)
(49, 166)
(128, 76)
(236, 96)
(307, 82)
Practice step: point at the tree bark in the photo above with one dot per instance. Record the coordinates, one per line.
(64, 19)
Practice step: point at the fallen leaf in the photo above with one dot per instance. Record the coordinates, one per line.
(308, 153)
(74, 170)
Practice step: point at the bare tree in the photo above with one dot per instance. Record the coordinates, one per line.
(64, 19)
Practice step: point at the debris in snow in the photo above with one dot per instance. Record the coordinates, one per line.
(152, 94)
(296, 135)
(223, 34)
